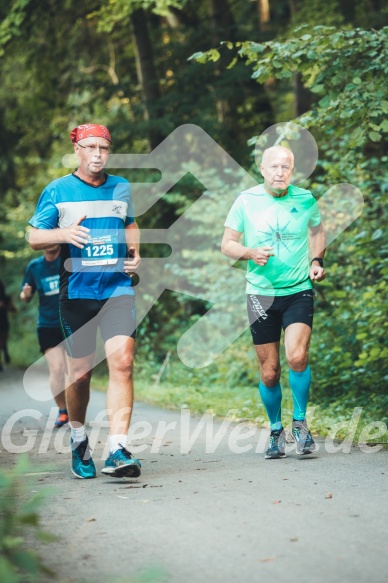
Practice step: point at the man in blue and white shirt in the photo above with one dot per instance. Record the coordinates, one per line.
(89, 213)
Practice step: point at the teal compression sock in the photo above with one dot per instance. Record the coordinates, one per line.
(300, 386)
(272, 399)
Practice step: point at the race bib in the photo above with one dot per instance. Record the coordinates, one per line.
(50, 285)
(100, 251)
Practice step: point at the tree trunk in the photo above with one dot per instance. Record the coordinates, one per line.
(224, 25)
(224, 29)
(303, 96)
(147, 74)
(264, 14)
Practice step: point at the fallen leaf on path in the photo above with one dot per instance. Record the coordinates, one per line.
(267, 560)
(277, 502)
(91, 520)
(330, 495)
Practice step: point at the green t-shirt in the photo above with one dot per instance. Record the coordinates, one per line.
(282, 223)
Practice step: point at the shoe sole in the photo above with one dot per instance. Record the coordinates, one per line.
(275, 457)
(128, 471)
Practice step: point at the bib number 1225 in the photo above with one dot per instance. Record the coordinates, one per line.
(100, 252)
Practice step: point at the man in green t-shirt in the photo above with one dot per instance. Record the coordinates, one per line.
(281, 225)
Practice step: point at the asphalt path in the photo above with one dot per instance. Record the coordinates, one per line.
(207, 506)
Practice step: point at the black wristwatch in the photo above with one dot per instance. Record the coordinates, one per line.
(319, 259)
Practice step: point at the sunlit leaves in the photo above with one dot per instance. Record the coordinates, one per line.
(347, 68)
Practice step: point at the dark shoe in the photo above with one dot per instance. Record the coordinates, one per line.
(302, 437)
(277, 445)
(82, 464)
(121, 464)
(62, 418)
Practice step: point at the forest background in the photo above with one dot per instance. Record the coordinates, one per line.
(233, 68)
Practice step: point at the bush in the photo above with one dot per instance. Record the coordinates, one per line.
(17, 563)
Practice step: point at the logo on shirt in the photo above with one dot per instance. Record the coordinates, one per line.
(119, 208)
(294, 210)
(278, 237)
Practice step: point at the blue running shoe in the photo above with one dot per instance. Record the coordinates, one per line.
(303, 438)
(82, 464)
(62, 418)
(121, 464)
(277, 445)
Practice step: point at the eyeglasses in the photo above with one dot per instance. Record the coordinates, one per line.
(92, 149)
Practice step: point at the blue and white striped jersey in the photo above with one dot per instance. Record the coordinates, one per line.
(97, 270)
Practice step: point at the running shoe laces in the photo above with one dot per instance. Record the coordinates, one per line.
(277, 444)
(121, 463)
(302, 437)
(82, 464)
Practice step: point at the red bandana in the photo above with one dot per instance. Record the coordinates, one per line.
(89, 130)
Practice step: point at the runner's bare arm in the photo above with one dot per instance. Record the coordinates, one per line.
(76, 234)
(231, 247)
(317, 243)
(132, 235)
(26, 293)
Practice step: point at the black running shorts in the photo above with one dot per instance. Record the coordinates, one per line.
(268, 315)
(81, 318)
(49, 338)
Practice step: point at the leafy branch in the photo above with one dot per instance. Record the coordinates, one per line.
(346, 69)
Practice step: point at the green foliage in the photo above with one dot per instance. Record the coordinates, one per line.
(119, 11)
(350, 329)
(11, 25)
(347, 69)
(18, 516)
